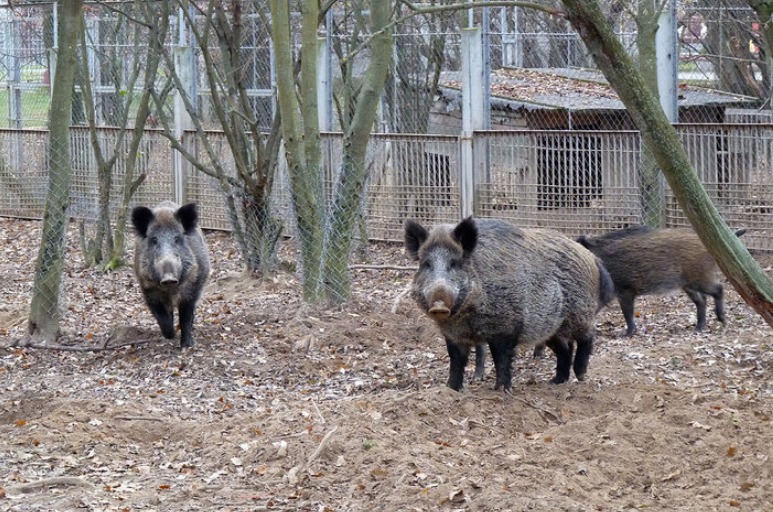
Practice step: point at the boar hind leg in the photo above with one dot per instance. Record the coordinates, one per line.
(458, 355)
(164, 317)
(563, 349)
(716, 291)
(700, 305)
(480, 361)
(502, 352)
(186, 323)
(626, 298)
(582, 355)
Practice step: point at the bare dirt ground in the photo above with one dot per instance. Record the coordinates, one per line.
(283, 406)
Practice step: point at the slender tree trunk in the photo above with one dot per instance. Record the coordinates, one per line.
(44, 308)
(734, 259)
(158, 34)
(305, 180)
(764, 10)
(351, 184)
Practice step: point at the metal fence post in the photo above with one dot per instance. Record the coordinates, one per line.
(472, 112)
(185, 63)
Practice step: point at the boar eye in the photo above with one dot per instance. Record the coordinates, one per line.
(426, 265)
(455, 264)
(153, 240)
(178, 239)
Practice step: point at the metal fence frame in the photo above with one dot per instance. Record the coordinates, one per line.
(573, 181)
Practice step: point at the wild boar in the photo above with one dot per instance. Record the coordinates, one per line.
(644, 261)
(171, 263)
(488, 282)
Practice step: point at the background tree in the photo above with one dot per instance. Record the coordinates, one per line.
(325, 233)
(139, 31)
(219, 32)
(45, 312)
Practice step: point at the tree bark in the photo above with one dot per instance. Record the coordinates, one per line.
(303, 165)
(751, 282)
(764, 10)
(45, 311)
(351, 182)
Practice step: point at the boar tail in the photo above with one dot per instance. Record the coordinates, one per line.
(606, 286)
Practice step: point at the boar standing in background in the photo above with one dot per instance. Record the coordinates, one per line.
(171, 264)
(643, 261)
(487, 281)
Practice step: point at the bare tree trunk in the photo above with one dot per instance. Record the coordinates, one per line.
(159, 27)
(45, 312)
(734, 259)
(302, 162)
(764, 10)
(351, 183)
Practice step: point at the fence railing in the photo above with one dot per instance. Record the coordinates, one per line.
(573, 181)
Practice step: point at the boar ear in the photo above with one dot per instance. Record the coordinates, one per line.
(188, 216)
(584, 241)
(415, 235)
(466, 233)
(142, 216)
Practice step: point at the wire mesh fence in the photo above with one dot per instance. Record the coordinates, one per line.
(577, 182)
(562, 151)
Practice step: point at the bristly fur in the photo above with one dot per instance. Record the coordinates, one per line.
(487, 281)
(171, 263)
(644, 261)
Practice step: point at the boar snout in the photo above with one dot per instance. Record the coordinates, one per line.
(169, 279)
(439, 310)
(441, 301)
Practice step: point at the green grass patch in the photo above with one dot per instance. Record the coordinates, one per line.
(34, 108)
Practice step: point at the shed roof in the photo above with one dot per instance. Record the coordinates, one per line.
(573, 89)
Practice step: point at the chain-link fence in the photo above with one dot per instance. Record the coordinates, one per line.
(556, 147)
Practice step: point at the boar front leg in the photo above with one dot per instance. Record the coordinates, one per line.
(164, 317)
(186, 323)
(563, 350)
(480, 361)
(458, 355)
(502, 352)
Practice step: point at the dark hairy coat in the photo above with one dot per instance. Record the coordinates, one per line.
(488, 281)
(171, 263)
(644, 261)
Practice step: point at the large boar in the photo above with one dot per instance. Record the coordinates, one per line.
(487, 281)
(171, 264)
(643, 261)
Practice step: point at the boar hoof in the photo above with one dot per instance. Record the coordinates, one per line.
(558, 380)
(187, 343)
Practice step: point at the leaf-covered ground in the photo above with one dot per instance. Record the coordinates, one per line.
(284, 406)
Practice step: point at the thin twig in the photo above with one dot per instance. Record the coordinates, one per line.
(48, 482)
(400, 298)
(65, 348)
(546, 412)
(320, 447)
(382, 267)
(137, 418)
(316, 407)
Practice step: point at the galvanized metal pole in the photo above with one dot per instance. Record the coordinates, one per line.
(472, 112)
(185, 64)
(667, 61)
